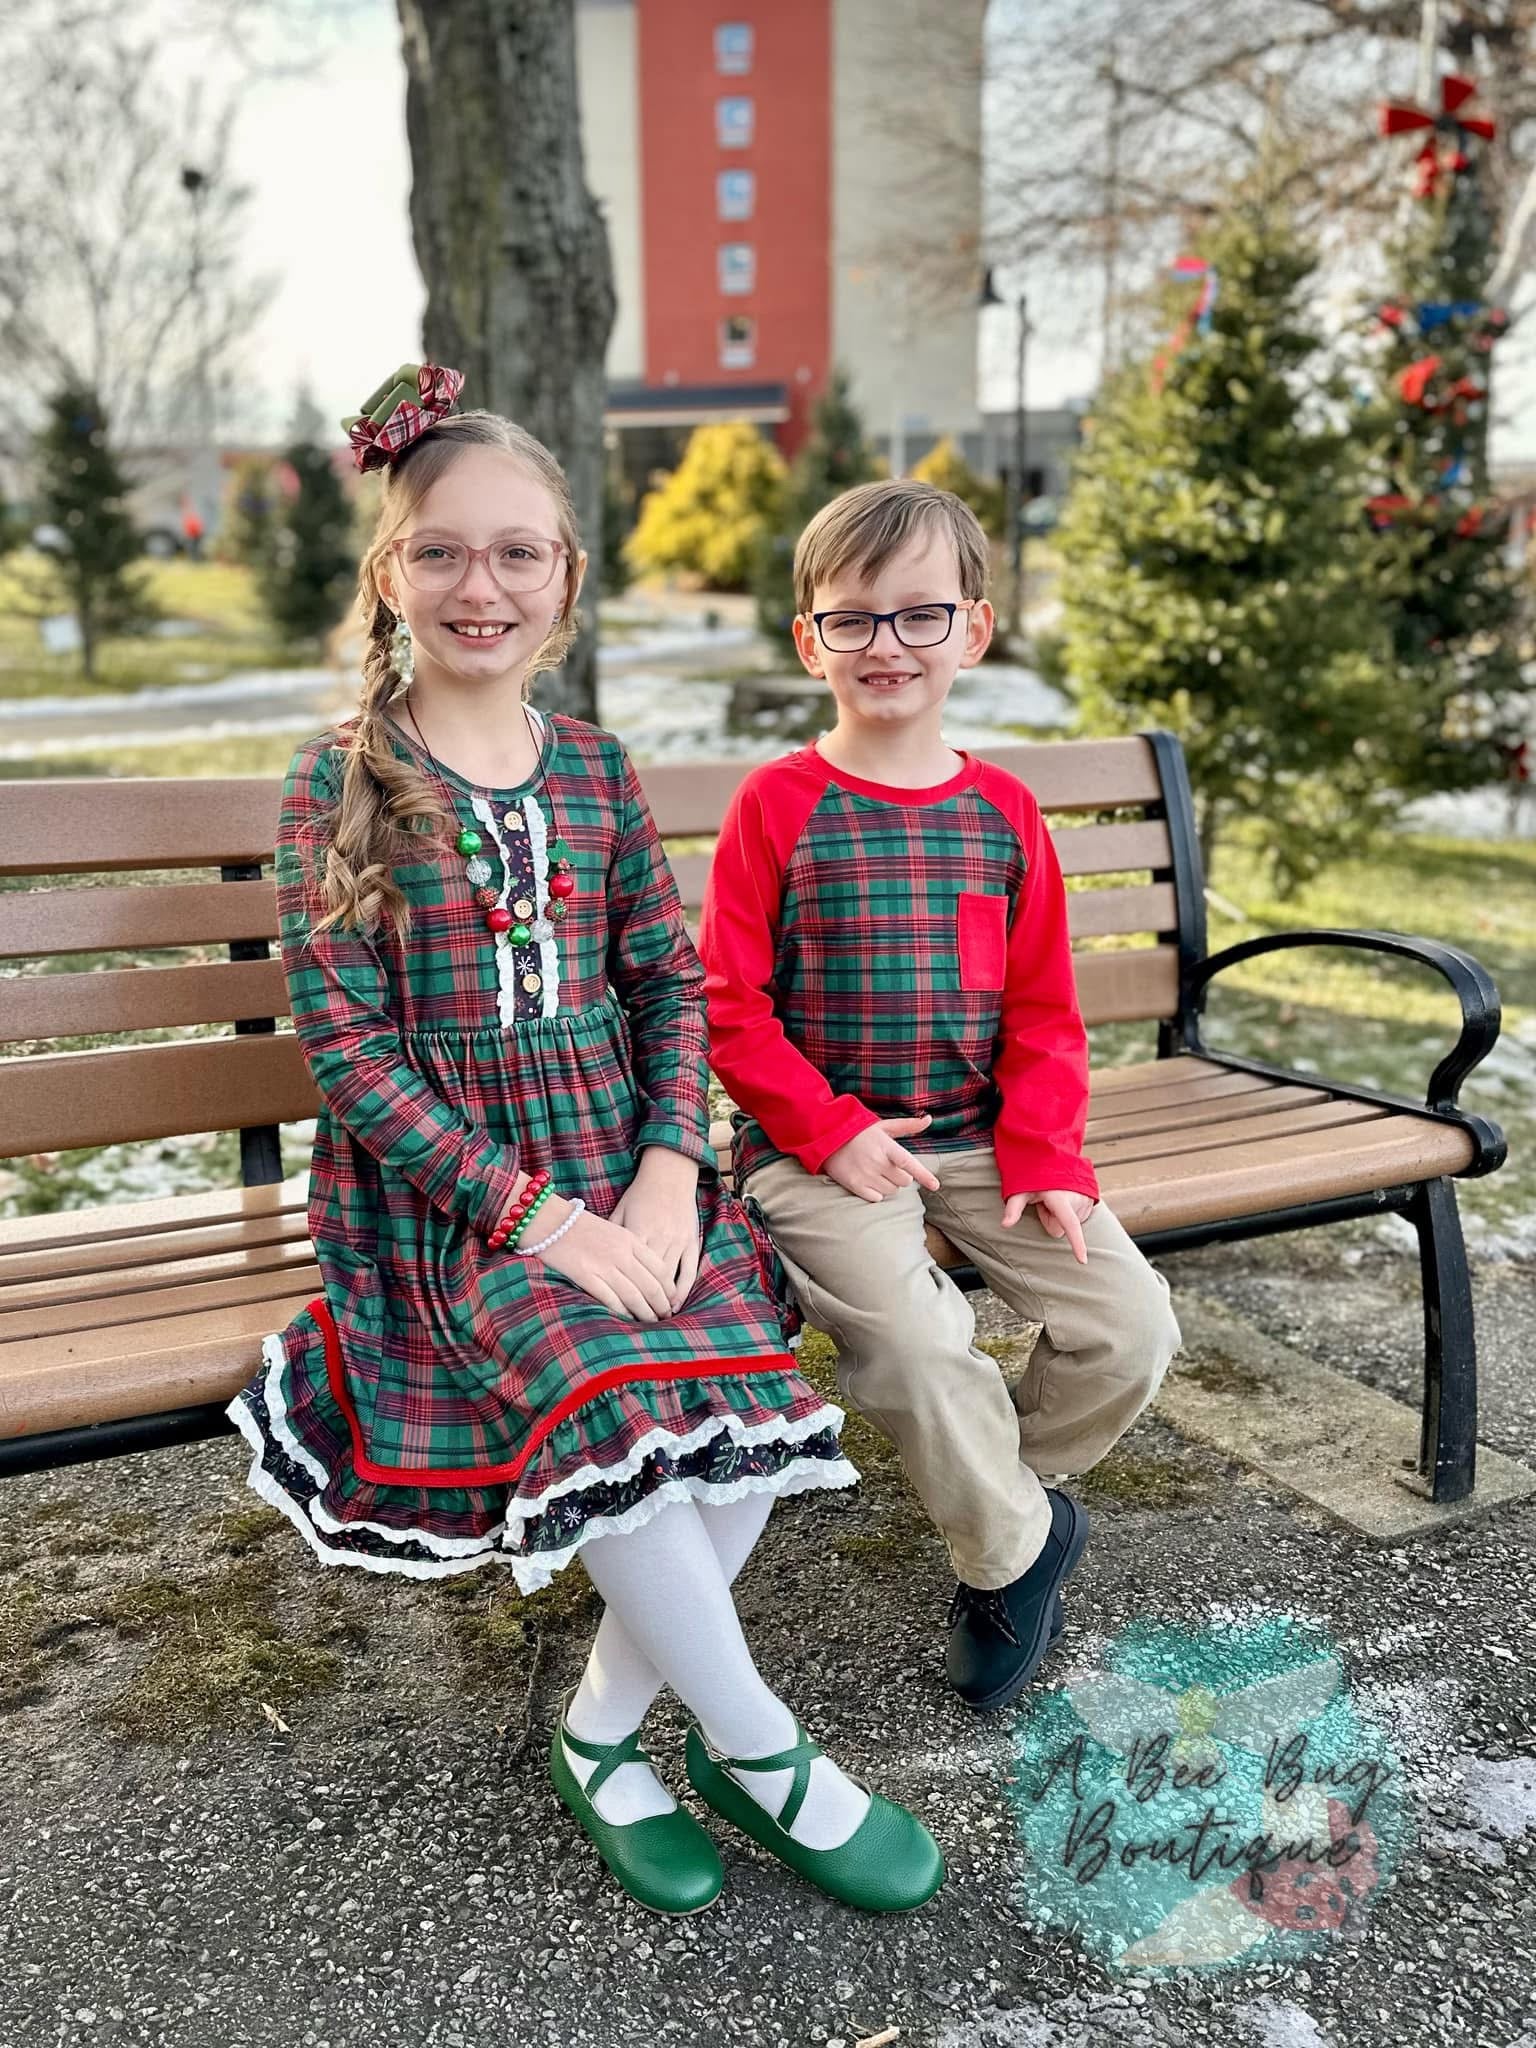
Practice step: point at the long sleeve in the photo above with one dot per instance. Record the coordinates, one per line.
(748, 1046)
(656, 974)
(339, 992)
(1041, 1064)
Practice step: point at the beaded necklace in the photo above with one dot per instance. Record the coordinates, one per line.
(523, 924)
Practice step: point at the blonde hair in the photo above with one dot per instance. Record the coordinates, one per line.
(387, 801)
(866, 526)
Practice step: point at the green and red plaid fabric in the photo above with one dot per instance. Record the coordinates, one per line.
(437, 1384)
(881, 952)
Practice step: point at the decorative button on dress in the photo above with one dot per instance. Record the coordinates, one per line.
(443, 1404)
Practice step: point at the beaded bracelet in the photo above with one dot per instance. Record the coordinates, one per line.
(519, 1208)
(523, 1221)
(528, 1251)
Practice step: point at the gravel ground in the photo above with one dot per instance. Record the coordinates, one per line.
(254, 1806)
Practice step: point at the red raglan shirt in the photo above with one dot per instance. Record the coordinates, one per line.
(877, 952)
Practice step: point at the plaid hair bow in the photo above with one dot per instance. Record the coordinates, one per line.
(414, 398)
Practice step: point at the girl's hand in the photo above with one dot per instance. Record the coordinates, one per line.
(1062, 1214)
(660, 1207)
(608, 1262)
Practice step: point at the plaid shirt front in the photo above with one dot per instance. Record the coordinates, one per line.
(879, 952)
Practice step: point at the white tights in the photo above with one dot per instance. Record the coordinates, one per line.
(669, 1619)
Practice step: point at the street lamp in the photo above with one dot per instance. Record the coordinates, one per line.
(1018, 478)
(206, 470)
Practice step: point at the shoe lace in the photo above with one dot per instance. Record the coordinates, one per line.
(974, 1603)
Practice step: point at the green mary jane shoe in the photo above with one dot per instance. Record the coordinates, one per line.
(667, 1862)
(889, 1864)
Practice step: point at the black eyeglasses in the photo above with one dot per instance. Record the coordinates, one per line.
(916, 625)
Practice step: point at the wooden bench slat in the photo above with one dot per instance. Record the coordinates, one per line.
(1214, 1085)
(1113, 849)
(1083, 775)
(121, 1259)
(53, 1101)
(1115, 988)
(1182, 1067)
(140, 998)
(139, 1369)
(42, 922)
(1277, 1173)
(1329, 1115)
(1108, 913)
(81, 826)
(63, 1291)
(74, 1232)
(1194, 1107)
(157, 1304)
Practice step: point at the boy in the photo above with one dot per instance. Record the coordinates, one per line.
(891, 1005)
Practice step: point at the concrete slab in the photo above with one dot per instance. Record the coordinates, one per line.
(1346, 1448)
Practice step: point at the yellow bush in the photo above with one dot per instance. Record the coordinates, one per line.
(707, 515)
(946, 468)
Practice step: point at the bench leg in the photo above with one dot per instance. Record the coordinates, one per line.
(1448, 1440)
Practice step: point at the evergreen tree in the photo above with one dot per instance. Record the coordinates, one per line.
(248, 531)
(310, 571)
(834, 457)
(707, 516)
(82, 495)
(1452, 602)
(1214, 579)
(947, 469)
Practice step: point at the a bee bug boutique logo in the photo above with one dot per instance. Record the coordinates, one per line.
(1208, 1799)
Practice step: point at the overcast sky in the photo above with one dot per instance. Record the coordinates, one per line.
(326, 157)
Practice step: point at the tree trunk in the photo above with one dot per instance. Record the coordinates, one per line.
(512, 246)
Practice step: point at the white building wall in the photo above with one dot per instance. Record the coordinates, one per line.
(906, 214)
(608, 77)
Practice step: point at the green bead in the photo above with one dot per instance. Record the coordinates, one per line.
(520, 935)
(469, 842)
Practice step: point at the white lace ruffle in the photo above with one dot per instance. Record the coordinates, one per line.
(506, 956)
(530, 1574)
(463, 1553)
(549, 949)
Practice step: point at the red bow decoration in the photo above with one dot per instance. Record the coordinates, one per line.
(405, 405)
(1442, 149)
(1415, 386)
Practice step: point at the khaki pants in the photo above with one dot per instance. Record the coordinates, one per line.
(906, 1335)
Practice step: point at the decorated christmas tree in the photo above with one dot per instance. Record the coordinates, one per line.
(1450, 600)
(1213, 576)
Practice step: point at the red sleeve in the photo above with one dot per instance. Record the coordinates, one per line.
(1041, 1063)
(738, 934)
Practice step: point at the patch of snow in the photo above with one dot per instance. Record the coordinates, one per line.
(1278, 2024)
(1497, 1799)
(256, 682)
(298, 720)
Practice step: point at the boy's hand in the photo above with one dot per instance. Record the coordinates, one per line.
(660, 1207)
(1062, 1214)
(874, 1165)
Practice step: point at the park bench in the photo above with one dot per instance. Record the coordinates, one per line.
(129, 1327)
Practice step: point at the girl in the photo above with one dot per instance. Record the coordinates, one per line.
(546, 1328)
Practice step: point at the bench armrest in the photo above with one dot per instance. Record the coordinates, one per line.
(1473, 985)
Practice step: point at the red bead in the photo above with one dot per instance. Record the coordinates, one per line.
(562, 885)
(486, 898)
(499, 919)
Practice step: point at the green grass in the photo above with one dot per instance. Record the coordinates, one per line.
(219, 598)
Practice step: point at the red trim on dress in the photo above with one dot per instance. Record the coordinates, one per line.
(486, 1475)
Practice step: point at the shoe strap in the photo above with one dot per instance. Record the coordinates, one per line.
(799, 1760)
(608, 1756)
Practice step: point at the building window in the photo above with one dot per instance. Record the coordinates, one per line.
(738, 342)
(733, 123)
(738, 268)
(733, 49)
(735, 195)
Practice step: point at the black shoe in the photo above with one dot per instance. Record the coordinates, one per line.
(998, 1639)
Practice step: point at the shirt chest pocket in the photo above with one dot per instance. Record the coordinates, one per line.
(981, 939)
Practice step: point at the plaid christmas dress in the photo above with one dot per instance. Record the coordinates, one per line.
(442, 1404)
